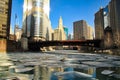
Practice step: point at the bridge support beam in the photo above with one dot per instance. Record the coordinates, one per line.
(24, 44)
(87, 44)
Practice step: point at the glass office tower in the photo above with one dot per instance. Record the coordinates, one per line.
(36, 23)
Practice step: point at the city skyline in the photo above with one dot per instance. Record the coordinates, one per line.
(70, 11)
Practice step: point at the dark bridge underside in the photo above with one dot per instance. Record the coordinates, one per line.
(37, 44)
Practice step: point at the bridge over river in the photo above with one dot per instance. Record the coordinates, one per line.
(35, 45)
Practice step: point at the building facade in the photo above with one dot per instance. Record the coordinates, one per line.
(80, 30)
(108, 18)
(66, 32)
(99, 24)
(36, 23)
(5, 15)
(70, 37)
(106, 15)
(115, 20)
(59, 33)
(18, 33)
(90, 33)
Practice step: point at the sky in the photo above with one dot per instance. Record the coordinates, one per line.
(69, 10)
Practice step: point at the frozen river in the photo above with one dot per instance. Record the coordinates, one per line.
(59, 65)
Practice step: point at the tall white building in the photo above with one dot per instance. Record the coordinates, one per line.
(36, 23)
(17, 33)
(59, 33)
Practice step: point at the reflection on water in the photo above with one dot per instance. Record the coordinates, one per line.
(29, 66)
(42, 73)
(69, 73)
(113, 75)
(60, 73)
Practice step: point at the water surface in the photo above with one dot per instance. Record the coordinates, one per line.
(59, 65)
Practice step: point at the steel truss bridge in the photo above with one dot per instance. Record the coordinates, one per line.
(36, 45)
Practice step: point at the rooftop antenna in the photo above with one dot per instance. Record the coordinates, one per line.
(18, 22)
(15, 19)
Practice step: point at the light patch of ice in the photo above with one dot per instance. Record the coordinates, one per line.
(98, 64)
(107, 72)
(19, 70)
(74, 73)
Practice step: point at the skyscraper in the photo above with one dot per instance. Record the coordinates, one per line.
(115, 20)
(108, 18)
(80, 30)
(59, 33)
(99, 24)
(36, 23)
(5, 15)
(66, 32)
(18, 33)
(70, 37)
(106, 15)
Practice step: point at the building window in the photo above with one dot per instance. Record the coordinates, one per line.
(3, 25)
(37, 3)
(3, 28)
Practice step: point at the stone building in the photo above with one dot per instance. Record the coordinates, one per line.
(99, 24)
(5, 16)
(108, 16)
(115, 20)
(82, 30)
(108, 38)
(59, 33)
(18, 33)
